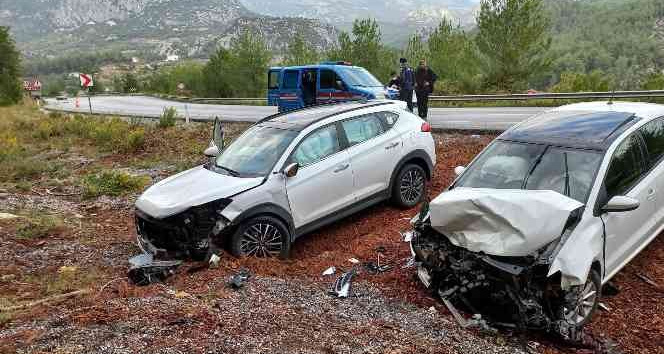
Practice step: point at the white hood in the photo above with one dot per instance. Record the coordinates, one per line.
(501, 222)
(190, 188)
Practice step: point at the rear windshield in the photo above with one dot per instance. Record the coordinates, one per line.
(509, 165)
(359, 77)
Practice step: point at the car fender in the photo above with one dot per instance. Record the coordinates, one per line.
(265, 209)
(415, 154)
(581, 250)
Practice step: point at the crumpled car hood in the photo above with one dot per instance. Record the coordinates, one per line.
(190, 188)
(501, 222)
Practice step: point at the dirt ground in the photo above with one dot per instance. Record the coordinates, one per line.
(284, 308)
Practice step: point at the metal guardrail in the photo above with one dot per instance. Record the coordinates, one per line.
(451, 98)
(550, 96)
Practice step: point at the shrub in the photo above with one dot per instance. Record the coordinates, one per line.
(38, 226)
(167, 118)
(135, 140)
(112, 183)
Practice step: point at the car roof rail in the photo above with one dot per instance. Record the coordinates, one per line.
(362, 100)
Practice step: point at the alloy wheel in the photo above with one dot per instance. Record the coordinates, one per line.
(412, 186)
(261, 240)
(584, 305)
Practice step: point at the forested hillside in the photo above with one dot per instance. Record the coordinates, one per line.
(622, 38)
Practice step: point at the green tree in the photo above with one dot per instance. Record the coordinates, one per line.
(416, 49)
(595, 81)
(654, 81)
(250, 61)
(216, 74)
(513, 37)
(130, 83)
(10, 69)
(299, 52)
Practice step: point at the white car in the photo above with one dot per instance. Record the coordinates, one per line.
(552, 209)
(288, 175)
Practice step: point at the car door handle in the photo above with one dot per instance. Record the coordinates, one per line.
(391, 146)
(341, 168)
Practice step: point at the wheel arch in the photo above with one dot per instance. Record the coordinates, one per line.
(418, 157)
(267, 209)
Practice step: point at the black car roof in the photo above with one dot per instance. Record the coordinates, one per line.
(578, 129)
(301, 118)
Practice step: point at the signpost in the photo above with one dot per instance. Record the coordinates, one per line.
(32, 86)
(87, 83)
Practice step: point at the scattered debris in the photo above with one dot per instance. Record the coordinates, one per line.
(374, 268)
(354, 260)
(342, 286)
(410, 262)
(475, 322)
(67, 269)
(648, 281)
(330, 271)
(239, 279)
(145, 270)
(214, 261)
(604, 307)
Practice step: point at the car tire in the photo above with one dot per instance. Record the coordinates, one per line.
(261, 237)
(587, 301)
(410, 186)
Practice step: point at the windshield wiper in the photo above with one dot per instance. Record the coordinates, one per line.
(567, 191)
(230, 171)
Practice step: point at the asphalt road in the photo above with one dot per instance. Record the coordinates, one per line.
(494, 118)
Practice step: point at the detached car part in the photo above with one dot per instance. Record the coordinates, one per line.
(145, 270)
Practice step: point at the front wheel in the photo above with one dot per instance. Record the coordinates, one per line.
(580, 311)
(261, 237)
(410, 186)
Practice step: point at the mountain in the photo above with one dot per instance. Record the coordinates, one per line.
(398, 18)
(185, 27)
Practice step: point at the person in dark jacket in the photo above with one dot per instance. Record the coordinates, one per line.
(308, 89)
(407, 80)
(394, 81)
(425, 79)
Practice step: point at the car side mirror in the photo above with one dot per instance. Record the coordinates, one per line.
(212, 151)
(291, 169)
(621, 203)
(218, 134)
(459, 170)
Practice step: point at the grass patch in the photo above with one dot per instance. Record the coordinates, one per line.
(37, 225)
(167, 118)
(112, 183)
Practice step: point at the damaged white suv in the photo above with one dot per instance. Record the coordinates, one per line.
(551, 210)
(286, 176)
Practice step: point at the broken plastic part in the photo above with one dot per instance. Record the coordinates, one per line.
(238, 280)
(214, 261)
(330, 271)
(342, 286)
(145, 270)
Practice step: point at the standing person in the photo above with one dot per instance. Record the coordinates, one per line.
(394, 81)
(425, 79)
(407, 80)
(308, 89)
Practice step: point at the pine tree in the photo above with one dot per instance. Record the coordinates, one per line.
(299, 52)
(514, 38)
(10, 69)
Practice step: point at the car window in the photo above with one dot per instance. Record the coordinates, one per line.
(290, 79)
(626, 167)
(566, 171)
(255, 152)
(389, 118)
(317, 146)
(653, 136)
(273, 80)
(327, 79)
(363, 128)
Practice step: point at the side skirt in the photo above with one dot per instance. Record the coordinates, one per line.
(340, 214)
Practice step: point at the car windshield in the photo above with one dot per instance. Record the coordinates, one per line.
(255, 152)
(509, 165)
(360, 77)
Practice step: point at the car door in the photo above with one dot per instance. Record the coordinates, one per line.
(324, 182)
(273, 76)
(374, 149)
(653, 138)
(330, 87)
(290, 95)
(628, 175)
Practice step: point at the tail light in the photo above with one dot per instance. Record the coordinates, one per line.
(426, 127)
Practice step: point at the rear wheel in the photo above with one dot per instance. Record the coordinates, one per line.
(261, 237)
(410, 186)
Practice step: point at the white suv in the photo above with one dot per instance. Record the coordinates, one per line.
(287, 175)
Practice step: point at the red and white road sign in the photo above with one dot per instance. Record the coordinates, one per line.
(86, 80)
(32, 85)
